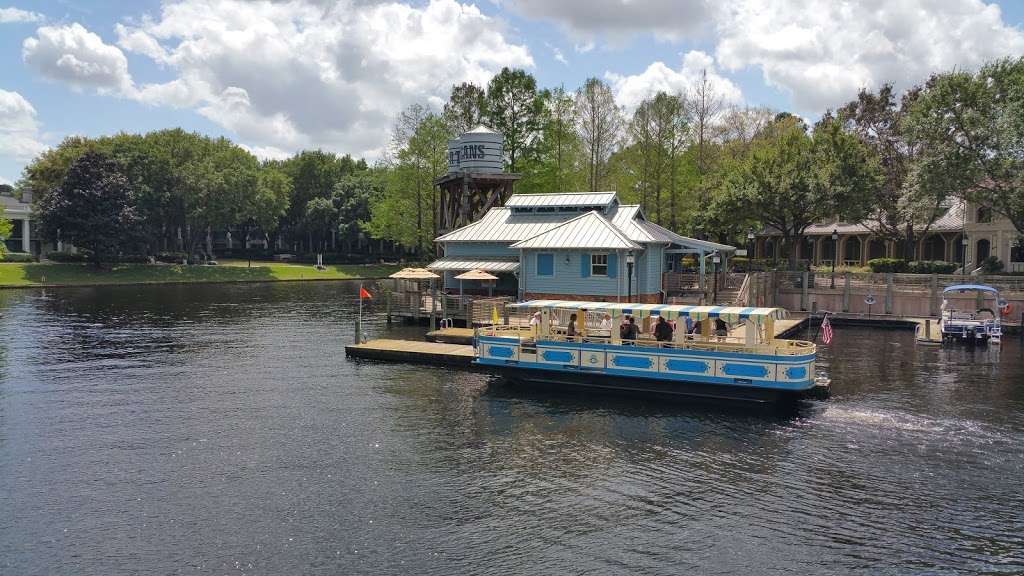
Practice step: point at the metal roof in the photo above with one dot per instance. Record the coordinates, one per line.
(950, 221)
(665, 235)
(458, 263)
(502, 225)
(590, 230)
(729, 313)
(561, 199)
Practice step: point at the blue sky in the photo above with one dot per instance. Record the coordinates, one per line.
(278, 76)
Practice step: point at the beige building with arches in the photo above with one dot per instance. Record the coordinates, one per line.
(987, 234)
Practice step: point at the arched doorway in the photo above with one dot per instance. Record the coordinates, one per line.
(769, 249)
(934, 248)
(828, 249)
(982, 251)
(876, 249)
(958, 249)
(851, 250)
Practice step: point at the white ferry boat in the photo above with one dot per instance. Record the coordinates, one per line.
(582, 344)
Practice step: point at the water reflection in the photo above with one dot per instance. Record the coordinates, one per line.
(220, 429)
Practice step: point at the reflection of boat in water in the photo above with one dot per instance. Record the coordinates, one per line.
(981, 325)
(593, 352)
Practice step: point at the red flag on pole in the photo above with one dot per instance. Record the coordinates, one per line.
(364, 294)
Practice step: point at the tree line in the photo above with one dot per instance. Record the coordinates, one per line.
(695, 165)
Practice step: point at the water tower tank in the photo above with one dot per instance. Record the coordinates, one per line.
(480, 150)
(454, 150)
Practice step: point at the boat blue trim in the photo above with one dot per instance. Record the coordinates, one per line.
(764, 384)
(724, 354)
(687, 366)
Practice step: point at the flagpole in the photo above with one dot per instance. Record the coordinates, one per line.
(359, 325)
(818, 329)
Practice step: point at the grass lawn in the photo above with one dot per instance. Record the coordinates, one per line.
(33, 274)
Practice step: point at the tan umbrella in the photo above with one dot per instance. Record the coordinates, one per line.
(414, 274)
(476, 275)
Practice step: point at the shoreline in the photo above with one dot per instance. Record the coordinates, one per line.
(19, 275)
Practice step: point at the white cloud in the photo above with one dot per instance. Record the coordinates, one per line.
(78, 57)
(822, 52)
(19, 131)
(617, 20)
(12, 15)
(630, 91)
(285, 75)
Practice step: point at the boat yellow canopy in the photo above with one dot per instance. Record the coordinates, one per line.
(669, 311)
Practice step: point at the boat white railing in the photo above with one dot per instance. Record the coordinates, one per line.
(691, 341)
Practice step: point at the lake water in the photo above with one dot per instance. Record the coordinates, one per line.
(221, 430)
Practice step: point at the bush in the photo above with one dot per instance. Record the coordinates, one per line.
(931, 267)
(170, 257)
(744, 264)
(133, 259)
(18, 257)
(991, 265)
(68, 257)
(887, 265)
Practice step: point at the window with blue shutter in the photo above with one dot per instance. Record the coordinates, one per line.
(613, 261)
(585, 265)
(545, 264)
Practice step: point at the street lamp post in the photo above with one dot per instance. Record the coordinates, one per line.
(963, 254)
(716, 259)
(750, 248)
(629, 276)
(835, 254)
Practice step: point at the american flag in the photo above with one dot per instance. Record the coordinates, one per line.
(826, 330)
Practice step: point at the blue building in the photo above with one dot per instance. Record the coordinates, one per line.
(570, 246)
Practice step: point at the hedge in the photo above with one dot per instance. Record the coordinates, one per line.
(67, 257)
(931, 267)
(18, 257)
(887, 265)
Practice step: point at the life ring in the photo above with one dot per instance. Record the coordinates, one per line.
(1005, 310)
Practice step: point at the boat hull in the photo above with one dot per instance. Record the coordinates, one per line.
(630, 385)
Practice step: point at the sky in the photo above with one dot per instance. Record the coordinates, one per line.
(277, 76)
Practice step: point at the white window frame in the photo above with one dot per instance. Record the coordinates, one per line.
(594, 265)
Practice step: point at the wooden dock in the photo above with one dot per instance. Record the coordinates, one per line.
(412, 351)
(451, 336)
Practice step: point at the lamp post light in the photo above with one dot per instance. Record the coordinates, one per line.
(963, 254)
(835, 254)
(630, 259)
(716, 259)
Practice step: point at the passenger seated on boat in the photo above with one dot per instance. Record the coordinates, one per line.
(662, 330)
(630, 331)
(571, 329)
(721, 328)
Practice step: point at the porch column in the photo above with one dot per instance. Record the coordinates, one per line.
(701, 278)
(26, 245)
(864, 244)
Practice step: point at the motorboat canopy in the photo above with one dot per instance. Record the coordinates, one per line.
(970, 287)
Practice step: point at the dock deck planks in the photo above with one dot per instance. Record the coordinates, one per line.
(412, 351)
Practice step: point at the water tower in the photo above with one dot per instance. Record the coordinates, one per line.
(475, 181)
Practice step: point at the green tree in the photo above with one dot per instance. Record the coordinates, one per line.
(5, 233)
(464, 110)
(320, 217)
(515, 109)
(792, 179)
(94, 207)
(903, 204)
(353, 196)
(599, 126)
(419, 155)
(554, 166)
(972, 129)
